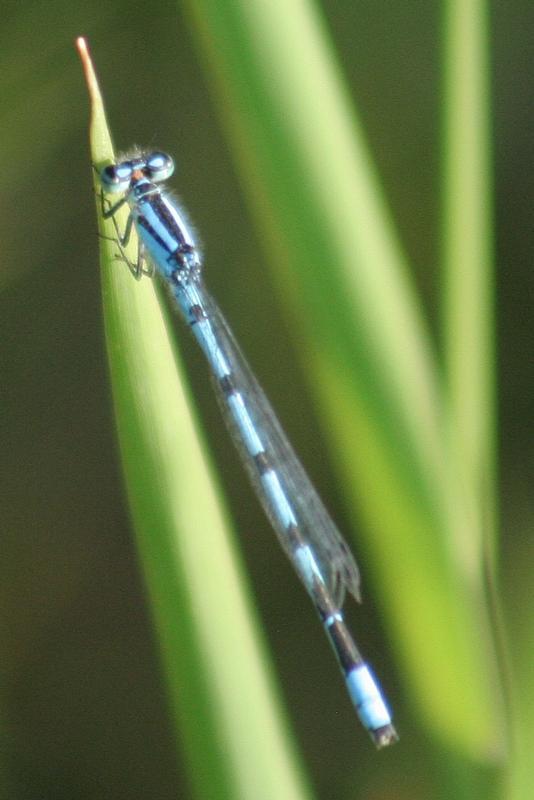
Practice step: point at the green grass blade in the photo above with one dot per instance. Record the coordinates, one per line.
(468, 316)
(341, 272)
(521, 631)
(225, 706)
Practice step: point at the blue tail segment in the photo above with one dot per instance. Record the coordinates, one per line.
(362, 686)
(303, 526)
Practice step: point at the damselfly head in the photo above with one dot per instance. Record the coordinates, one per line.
(156, 167)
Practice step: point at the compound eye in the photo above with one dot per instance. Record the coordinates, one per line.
(159, 167)
(116, 177)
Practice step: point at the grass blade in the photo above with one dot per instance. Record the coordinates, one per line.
(468, 317)
(306, 169)
(224, 703)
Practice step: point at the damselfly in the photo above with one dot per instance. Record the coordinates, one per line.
(312, 542)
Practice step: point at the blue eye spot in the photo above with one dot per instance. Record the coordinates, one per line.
(116, 177)
(159, 166)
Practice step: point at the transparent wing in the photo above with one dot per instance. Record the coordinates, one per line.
(338, 567)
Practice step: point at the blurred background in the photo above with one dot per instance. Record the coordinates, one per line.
(83, 709)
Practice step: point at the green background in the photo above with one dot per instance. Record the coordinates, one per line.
(83, 705)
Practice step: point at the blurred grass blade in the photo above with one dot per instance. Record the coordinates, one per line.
(341, 272)
(468, 317)
(521, 627)
(225, 706)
